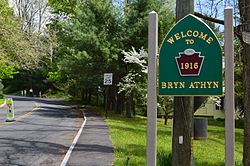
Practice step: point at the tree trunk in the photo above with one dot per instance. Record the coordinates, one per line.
(182, 127)
(113, 97)
(244, 6)
(133, 103)
(246, 82)
(120, 103)
(114, 103)
(82, 94)
(89, 96)
(104, 98)
(166, 119)
(97, 99)
(129, 106)
(109, 98)
(183, 109)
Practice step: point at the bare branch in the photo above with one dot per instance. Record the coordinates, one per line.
(215, 20)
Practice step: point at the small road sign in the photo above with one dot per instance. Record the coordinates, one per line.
(108, 79)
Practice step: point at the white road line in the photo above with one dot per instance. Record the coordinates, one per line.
(66, 158)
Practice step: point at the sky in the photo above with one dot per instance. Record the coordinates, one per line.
(215, 8)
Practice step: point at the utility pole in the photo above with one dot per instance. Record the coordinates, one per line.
(183, 109)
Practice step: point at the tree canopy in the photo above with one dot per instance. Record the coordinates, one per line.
(92, 36)
(18, 49)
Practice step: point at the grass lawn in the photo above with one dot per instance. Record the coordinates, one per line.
(1, 101)
(128, 136)
(212, 151)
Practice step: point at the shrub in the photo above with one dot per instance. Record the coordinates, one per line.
(164, 158)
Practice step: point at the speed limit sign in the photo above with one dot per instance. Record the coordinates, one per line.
(107, 79)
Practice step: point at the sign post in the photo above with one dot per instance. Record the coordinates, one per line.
(229, 88)
(151, 96)
(107, 81)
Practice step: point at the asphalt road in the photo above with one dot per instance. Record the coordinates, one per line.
(41, 135)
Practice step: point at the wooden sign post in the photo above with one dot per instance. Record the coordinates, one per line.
(151, 96)
(229, 88)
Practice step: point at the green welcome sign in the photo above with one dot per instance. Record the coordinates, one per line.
(190, 60)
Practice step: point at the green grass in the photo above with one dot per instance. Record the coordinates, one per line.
(1, 101)
(128, 136)
(211, 152)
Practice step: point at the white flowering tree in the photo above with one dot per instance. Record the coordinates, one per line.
(134, 82)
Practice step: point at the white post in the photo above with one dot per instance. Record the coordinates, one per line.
(151, 96)
(229, 87)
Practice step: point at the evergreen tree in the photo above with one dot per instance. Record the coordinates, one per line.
(92, 37)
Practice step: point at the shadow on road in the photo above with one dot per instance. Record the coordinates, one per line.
(51, 107)
(94, 148)
(58, 112)
(48, 125)
(27, 148)
(35, 147)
